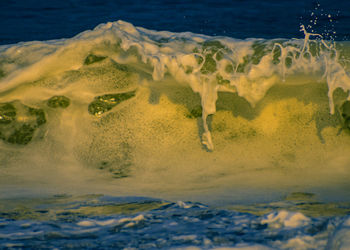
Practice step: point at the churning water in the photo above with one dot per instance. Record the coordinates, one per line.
(253, 133)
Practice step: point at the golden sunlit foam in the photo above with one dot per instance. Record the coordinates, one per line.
(130, 111)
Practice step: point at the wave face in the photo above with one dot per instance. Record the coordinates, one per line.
(148, 107)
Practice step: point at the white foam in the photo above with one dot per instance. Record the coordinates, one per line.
(285, 219)
(135, 219)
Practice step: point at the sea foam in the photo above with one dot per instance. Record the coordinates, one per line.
(208, 64)
(134, 104)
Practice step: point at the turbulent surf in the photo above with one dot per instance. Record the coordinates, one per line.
(122, 110)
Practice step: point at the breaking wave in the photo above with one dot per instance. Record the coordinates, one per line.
(124, 101)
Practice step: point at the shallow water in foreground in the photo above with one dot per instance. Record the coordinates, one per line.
(95, 221)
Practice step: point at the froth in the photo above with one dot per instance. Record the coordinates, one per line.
(207, 64)
(135, 104)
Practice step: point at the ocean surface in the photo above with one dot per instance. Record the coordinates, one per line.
(174, 124)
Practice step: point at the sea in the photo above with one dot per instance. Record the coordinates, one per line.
(175, 124)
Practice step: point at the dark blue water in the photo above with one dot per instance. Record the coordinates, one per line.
(28, 20)
(138, 223)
